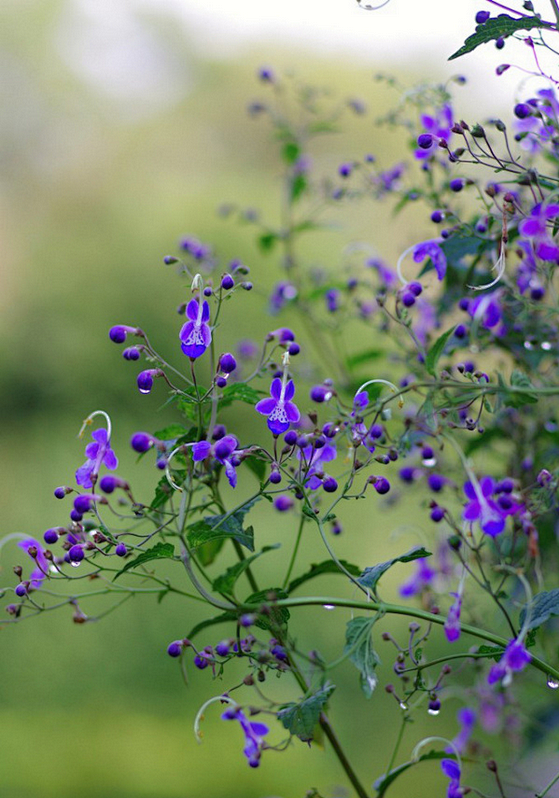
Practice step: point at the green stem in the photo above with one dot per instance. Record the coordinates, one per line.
(295, 551)
(555, 7)
(553, 781)
(410, 612)
(398, 743)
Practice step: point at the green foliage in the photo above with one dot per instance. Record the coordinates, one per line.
(276, 618)
(545, 605)
(370, 576)
(209, 534)
(301, 719)
(161, 551)
(435, 352)
(383, 783)
(226, 582)
(240, 392)
(497, 28)
(326, 567)
(359, 648)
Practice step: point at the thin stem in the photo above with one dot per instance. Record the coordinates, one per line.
(553, 781)
(397, 743)
(295, 551)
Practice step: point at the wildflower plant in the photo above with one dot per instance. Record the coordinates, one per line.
(459, 420)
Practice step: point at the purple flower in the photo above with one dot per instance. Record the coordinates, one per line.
(254, 735)
(422, 579)
(514, 659)
(535, 229)
(487, 309)
(467, 719)
(196, 335)
(483, 509)
(40, 572)
(388, 277)
(431, 249)
(279, 408)
(225, 452)
(98, 453)
(452, 623)
(451, 770)
(437, 127)
(282, 293)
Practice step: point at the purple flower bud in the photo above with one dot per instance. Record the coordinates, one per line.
(141, 442)
(201, 662)
(227, 282)
(482, 16)
(221, 382)
(294, 349)
(246, 620)
(330, 485)
(283, 503)
(61, 492)
(21, 590)
(290, 437)
(457, 184)
(174, 649)
(50, 536)
(208, 291)
(275, 477)
(218, 432)
(522, 110)
(437, 513)
(537, 293)
(121, 550)
(437, 217)
(544, 477)
(318, 393)
(76, 553)
(464, 303)
(415, 288)
(425, 141)
(345, 169)
(169, 259)
(75, 516)
(82, 504)
(108, 484)
(223, 648)
(145, 379)
(131, 353)
(118, 333)
(436, 482)
(381, 485)
(408, 299)
(461, 331)
(407, 474)
(500, 43)
(227, 363)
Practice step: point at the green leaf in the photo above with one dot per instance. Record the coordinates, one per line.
(257, 466)
(163, 493)
(364, 357)
(277, 617)
(496, 28)
(171, 432)
(436, 351)
(370, 576)
(520, 380)
(267, 241)
(225, 617)
(298, 186)
(161, 551)
(215, 529)
(384, 782)
(290, 152)
(545, 605)
(494, 652)
(240, 392)
(300, 719)
(326, 567)
(226, 582)
(359, 647)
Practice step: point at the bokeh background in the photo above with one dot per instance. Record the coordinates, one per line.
(123, 127)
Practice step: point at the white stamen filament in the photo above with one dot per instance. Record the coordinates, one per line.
(200, 714)
(422, 743)
(89, 420)
(197, 283)
(500, 265)
(404, 254)
(391, 385)
(170, 480)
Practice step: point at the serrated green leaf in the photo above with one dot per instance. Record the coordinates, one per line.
(383, 783)
(493, 652)
(277, 617)
(171, 432)
(371, 576)
(497, 28)
(226, 582)
(517, 399)
(240, 392)
(544, 606)
(359, 647)
(326, 567)
(216, 529)
(436, 351)
(161, 551)
(163, 493)
(301, 719)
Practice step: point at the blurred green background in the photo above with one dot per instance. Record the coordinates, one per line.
(100, 179)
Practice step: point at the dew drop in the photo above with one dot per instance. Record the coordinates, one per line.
(144, 390)
(403, 705)
(546, 345)
(433, 712)
(327, 396)
(528, 345)
(474, 349)
(329, 606)
(75, 564)
(552, 683)
(429, 462)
